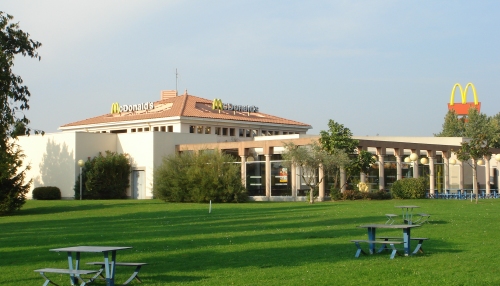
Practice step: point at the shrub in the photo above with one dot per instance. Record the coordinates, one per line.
(352, 195)
(335, 194)
(105, 177)
(410, 188)
(379, 195)
(46, 193)
(199, 177)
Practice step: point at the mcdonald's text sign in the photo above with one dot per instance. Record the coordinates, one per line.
(117, 108)
(218, 105)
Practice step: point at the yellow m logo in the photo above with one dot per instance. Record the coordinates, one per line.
(115, 108)
(217, 104)
(463, 108)
(463, 93)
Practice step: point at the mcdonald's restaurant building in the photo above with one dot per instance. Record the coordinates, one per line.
(148, 131)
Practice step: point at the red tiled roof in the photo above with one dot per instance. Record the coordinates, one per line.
(186, 106)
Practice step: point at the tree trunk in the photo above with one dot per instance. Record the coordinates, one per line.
(474, 179)
(311, 195)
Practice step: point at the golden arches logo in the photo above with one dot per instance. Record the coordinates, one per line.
(463, 93)
(463, 107)
(217, 104)
(115, 108)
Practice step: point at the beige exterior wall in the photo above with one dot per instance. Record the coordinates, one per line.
(54, 157)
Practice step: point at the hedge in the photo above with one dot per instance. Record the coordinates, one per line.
(46, 193)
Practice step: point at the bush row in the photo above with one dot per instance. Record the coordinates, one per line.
(410, 188)
(199, 177)
(46, 193)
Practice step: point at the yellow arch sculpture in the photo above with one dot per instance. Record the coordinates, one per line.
(463, 93)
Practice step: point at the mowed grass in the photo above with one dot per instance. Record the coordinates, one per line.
(288, 243)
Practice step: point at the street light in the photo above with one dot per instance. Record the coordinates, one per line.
(81, 163)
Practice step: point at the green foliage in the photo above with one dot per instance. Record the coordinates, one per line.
(360, 164)
(453, 126)
(46, 193)
(378, 195)
(199, 177)
(352, 195)
(338, 137)
(335, 194)
(309, 159)
(474, 125)
(105, 177)
(13, 190)
(410, 188)
(13, 101)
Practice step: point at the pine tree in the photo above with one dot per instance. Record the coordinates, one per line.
(13, 98)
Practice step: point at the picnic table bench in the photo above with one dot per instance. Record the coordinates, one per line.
(134, 275)
(75, 273)
(391, 243)
(418, 248)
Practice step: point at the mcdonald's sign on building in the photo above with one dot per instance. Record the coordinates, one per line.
(463, 107)
(218, 105)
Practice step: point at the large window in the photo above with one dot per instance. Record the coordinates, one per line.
(281, 181)
(256, 178)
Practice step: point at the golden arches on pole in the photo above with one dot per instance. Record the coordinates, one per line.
(463, 93)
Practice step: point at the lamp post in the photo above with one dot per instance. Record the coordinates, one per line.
(81, 163)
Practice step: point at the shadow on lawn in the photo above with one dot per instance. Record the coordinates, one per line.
(63, 206)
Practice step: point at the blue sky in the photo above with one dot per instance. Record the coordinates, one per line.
(378, 67)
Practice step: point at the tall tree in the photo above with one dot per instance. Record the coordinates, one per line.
(13, 99)
(477, 148)
(338, 137)
(453, 126)
(309, 159)
(483, 131)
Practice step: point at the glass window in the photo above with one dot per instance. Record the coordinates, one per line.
(146, 129)
(242, 132)
(281, 183)
(170, 128)
(264, 132)
(156, 129)
(162, 129)
(217, 131)
(132, 130)
(231, 132)
(224, 131)
(191, 129)
(208, 130)
(255, 177)
(139, 129)
(199, 129)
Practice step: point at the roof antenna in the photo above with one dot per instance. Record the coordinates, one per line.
(176, 77)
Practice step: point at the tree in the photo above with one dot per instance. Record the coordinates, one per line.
(474, 150)
(339, 138)
(453, 126)
(483, 131)
(105, 177)
(309, 159)
(13, 99)
(199, 177)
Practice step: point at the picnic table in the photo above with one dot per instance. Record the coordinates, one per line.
(407, 213)
(372, 228)
(74, 270)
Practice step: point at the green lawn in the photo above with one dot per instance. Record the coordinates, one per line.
(253, 243)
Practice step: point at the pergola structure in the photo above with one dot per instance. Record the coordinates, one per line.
(411, 147)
